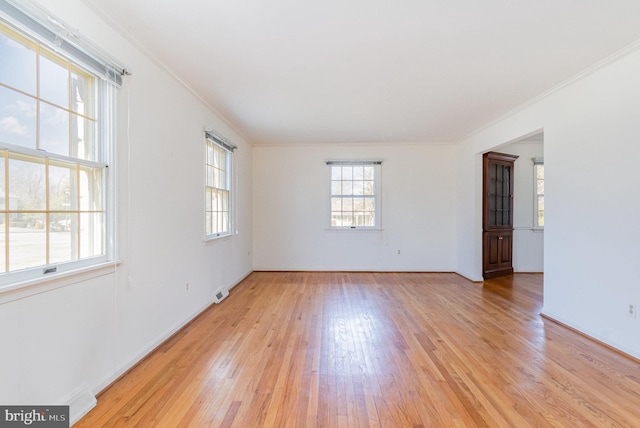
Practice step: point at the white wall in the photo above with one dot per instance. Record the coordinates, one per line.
(528, 244)
(81, 336)
(591, 247)
(291, 214)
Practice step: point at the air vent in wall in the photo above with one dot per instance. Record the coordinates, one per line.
(220, 295)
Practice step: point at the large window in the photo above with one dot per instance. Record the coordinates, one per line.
(218, 191)
(538, 171)
(55, 125)
(354, 194)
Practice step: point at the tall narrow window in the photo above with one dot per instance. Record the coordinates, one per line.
(538, 171)
(56, 110)
(218, 186)
(355, 194)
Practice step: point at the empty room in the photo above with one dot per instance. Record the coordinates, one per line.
(328, 214)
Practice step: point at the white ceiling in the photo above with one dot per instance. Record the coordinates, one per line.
(295, 71)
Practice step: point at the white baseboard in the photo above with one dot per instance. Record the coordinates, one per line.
(633, 353)
(80, 404)
(155, 344)
(471, 278)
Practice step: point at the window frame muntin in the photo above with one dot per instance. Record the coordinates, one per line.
(537, 162)
(229, 149)
(104, 104)
(377, 171)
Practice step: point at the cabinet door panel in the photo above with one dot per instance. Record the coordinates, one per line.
(493, 250)
(497, 218)
(505, 249)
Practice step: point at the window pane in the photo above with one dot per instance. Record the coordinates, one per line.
(214, 222)
(368, 173)
(3, 190)
(336, 187)
(220, 195)
(336, 173)
(221, 179)
(347, 220)
(358, 188)
(347, 204)
(358, 204)
(17, 118)
(224, 222)
(540, 187)
(18, 65)
(91, 234)
(336, 204)
(216, 178)
(347, 173)
(82, 91)
(63, 191)
(207, 222)
(224, 201)
(214, 200)
(3, 242)
(358, 172)
(54, 82)
(83, 138)
(220, 212)
(209, 178)
(369, 219)
(347, 187)
(207, 199)
(369, 204)
(54, 129)
(369, 188)
(217, 162)
(90, 189)
(63, 237)
(27, 241)
(336, 219)
(540, 172)
(27, 184)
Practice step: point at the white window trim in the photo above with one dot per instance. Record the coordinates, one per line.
(35, 22)
(536, 227)
(216, 138)
(378, 197)
(31, 287)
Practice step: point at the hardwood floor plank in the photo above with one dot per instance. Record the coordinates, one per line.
(334, 349)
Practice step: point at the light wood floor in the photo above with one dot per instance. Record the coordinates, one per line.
(379, 350)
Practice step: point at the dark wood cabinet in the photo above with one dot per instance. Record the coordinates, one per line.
(497, 214)
(497, 253)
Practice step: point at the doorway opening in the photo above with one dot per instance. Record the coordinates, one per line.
(527, 241)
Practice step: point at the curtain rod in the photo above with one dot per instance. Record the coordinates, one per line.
(378, 162)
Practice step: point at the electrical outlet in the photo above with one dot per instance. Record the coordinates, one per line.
(187, 286)
(631, 310)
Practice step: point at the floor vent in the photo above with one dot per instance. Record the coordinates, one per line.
(220, 295)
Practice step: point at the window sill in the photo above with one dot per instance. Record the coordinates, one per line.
(212, 239)
(31, 287)
(531, 229)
